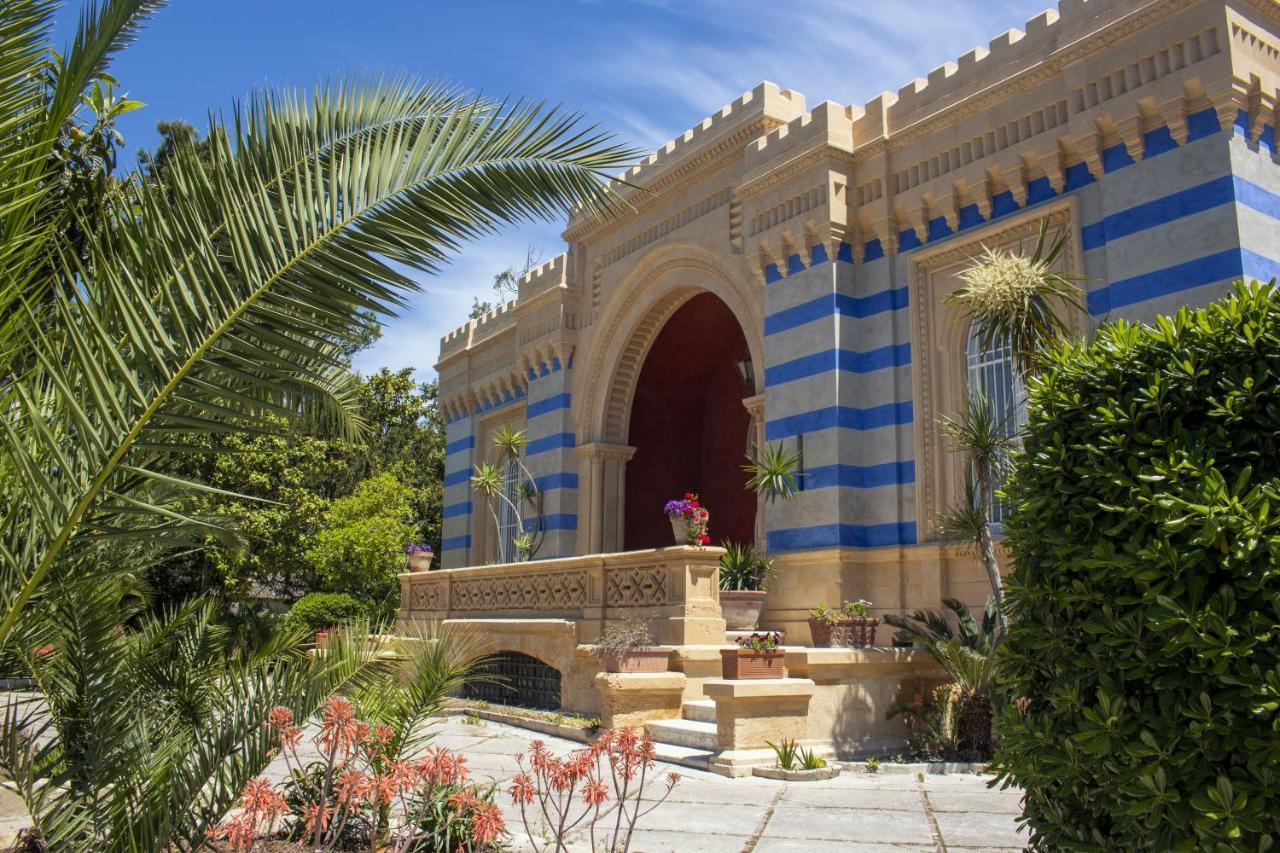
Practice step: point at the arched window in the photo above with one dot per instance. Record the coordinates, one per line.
(508, 520)
(995, 374)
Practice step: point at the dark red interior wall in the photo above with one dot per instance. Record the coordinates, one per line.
(689, 426)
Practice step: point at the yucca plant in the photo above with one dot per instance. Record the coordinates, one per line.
(1014, 297)
(986, 443)
(490, 482)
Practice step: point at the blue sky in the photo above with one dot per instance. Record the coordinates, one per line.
(646, 69)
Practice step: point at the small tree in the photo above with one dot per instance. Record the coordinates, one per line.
(1008, 298)
(360, 550)
(490, 481)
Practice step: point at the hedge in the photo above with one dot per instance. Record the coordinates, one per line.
(1142, 664)
(317, 611)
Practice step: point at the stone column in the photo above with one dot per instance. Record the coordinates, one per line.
(755, 408)
(606, 510)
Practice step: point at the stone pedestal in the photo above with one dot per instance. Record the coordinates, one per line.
(750, 714)
(628, 700)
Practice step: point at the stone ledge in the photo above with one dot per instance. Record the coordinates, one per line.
(640, 680)
(757, 688)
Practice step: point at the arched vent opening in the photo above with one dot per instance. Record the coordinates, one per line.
(513, 678)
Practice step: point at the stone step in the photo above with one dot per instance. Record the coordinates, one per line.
(701, 711)
(688, 733)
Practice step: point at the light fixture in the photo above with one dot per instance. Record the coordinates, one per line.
(746, 372)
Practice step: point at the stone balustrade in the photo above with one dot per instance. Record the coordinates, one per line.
(677, 588)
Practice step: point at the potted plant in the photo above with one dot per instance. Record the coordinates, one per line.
(743, 573)
(419, 557)
(628, 647)
(757, 656)
(849, 626)
(689, 520)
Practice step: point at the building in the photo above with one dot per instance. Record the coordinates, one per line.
(780, 277)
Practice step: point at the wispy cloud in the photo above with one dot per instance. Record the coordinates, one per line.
(673, 64)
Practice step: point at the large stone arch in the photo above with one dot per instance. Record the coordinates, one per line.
(666, 279)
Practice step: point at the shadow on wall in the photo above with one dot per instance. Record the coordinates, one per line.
(689, 426)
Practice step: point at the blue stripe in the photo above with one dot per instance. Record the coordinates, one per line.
(555, 521)
(550, 442)
(1140, 288)
(465, 443)
(1160, 211)
(842, 535)
(562, 480)
(1254, 196)
(844, 417)
(551, 404)
(860, 476)
(851, 361)
(457, 477)
(451, 510)
(835, 303)
(453, 543)
(1259, 266)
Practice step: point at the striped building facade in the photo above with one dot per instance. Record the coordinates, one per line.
(1146, 129)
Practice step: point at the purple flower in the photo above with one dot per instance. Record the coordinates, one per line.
(415, 548)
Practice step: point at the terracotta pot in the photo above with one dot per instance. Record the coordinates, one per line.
(420, 562)
(738, 664)
(641, 659)
(322, 639)
(844, 633)
(741, 608)
(679, 529)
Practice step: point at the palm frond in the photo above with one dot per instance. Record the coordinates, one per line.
(276, 242)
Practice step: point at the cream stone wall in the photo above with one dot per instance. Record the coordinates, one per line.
(1144, 128)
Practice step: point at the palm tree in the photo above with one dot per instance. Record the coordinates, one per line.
(219, 301)
(986, 442)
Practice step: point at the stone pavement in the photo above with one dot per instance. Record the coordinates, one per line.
(856, 811)
(707, 813)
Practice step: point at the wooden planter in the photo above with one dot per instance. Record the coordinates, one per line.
(739, 664)
(844, 633)
(642, 659)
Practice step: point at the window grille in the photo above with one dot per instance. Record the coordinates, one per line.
(995, 373)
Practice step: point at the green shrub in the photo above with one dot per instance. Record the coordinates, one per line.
(1142, 662)
(360, 548)
(316, 611)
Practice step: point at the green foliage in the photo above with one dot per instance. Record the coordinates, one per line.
(317, 611)
(742, 567)
(789, 755)
(773, 471)
(873, 765)
(1143, 653)
(360, 546)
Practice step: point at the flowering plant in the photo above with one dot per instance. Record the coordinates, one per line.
(356, 782)
(860, 609)
(761, 641)
(415, 548)
(696, 517)
(586, 787)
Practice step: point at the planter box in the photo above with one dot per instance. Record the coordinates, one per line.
(821, 774)
(844, 633)
(644, 659)
(741, 608)
(679, 529)
(739, 664)
(420, 562)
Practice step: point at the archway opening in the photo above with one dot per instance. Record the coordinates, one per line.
(689, 427)
(514, 678)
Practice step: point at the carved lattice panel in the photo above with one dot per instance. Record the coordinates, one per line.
(556, 591)
(643, 586)
(424, 596)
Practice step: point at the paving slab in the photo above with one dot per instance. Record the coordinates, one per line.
(825, 824)
(979, 830)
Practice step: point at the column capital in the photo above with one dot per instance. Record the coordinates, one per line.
(603, 450)
(754, 405)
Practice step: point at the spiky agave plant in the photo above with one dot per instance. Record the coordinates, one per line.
(489, 481)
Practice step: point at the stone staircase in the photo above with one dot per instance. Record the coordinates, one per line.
(696, 728)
